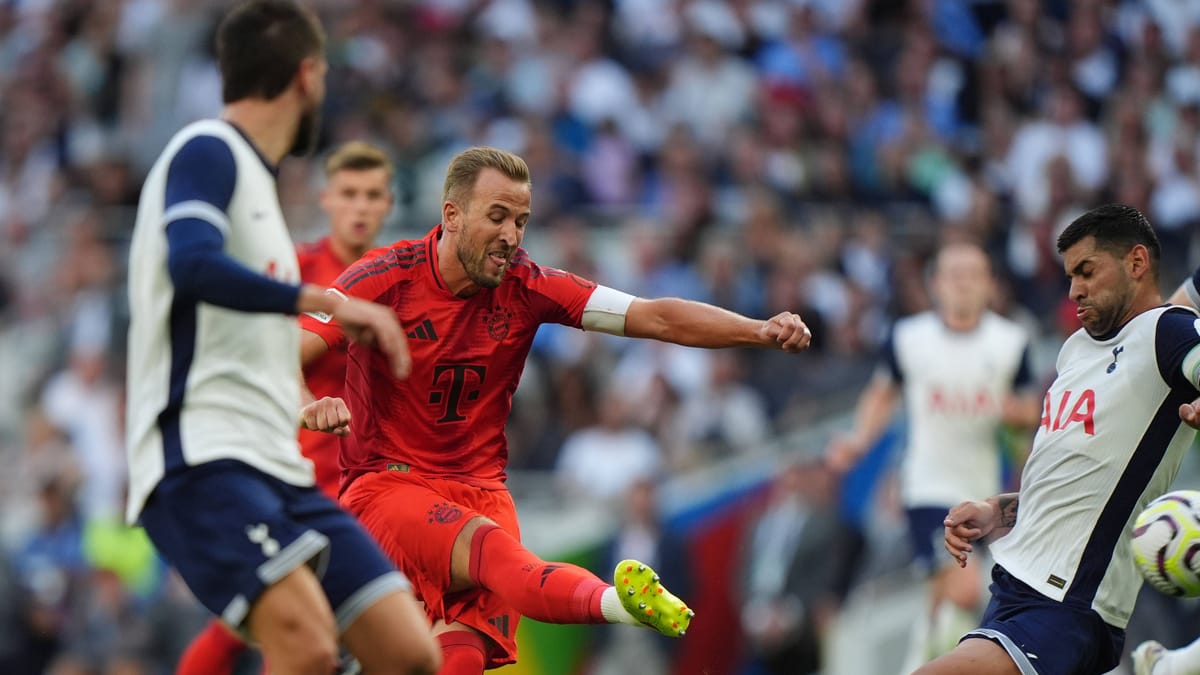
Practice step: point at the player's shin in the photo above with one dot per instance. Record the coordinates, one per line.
(544, 591)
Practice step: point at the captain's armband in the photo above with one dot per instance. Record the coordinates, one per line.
(605, 311)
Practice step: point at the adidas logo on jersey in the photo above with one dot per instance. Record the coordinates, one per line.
(424, 331)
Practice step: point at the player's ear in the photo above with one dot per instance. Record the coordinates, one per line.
(310, 77)
(450, 216)
(1138, 261)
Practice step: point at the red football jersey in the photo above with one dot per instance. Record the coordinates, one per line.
(326, 376)
(447, 419)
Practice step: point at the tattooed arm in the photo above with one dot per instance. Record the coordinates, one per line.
(971, 521)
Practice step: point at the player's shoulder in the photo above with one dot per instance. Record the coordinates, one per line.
(921, 323)
(398, 259)
(205, 147)
(1177, 321)
(209, 131)
(311, 248)
(523, 271)
(1003, 327)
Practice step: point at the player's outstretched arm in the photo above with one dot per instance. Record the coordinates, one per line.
(698, 324)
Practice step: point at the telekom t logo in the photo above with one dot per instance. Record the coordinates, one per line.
(454, 383)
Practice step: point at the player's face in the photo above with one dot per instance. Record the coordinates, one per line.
(312, 78)
(1100, 286)
(492, 225)
(357, 201)
(962, 281)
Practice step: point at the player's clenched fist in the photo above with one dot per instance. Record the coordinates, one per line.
(788, 331)
(964, 524)
(327, 414)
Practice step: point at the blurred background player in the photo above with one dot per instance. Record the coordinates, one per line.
(216, 477)
(427, 476)
(1151, 657)
(1117, 421)
(963, 372)
(357, 199)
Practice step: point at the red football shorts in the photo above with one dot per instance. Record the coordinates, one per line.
(416, 520)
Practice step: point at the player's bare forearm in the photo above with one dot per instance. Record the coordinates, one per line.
(875, 408)
(1022, 411)
(311, 346)
(1006, 511)
(306, 395)
(698, 324)
(314, 300)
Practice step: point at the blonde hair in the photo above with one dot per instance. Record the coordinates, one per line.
(465, 167)
(358, 156)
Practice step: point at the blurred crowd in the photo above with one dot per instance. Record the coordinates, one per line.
(760, 154)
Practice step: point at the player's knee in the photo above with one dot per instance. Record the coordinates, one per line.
(300, 644)
(311, 654)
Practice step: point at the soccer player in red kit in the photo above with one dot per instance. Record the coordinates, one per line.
(426, 475)
(357, 198)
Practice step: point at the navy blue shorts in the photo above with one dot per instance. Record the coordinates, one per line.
(1044, 636)
(231, 531)
(926, 534)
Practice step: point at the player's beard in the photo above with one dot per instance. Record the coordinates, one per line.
(307, 131)
(1106, 317)
(476, 264)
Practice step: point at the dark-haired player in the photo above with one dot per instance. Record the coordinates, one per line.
(216, 477)
(357, 198)
(1111, 439)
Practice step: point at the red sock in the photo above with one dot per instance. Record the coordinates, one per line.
(549, 592)
(463, 653)
(214, 651)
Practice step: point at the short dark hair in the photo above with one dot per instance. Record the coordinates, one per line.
(260, 45)
(1117, 229)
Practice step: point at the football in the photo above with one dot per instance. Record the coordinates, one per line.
(1166, 543)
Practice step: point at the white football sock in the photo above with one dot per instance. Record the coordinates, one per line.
(613, 610)
(1182, 661)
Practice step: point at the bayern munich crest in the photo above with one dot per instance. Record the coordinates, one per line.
(497, 322)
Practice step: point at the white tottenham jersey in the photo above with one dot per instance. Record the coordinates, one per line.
(954, 386)
(1110, 441)
(205, 382)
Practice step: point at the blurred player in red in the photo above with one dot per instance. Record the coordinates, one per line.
(357, 198)
(426, 475)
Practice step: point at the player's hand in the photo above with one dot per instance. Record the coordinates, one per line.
(787, 331)
(373, 324)
(966, 523)
(327, 414)
(843, 452)
(1190, 414)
